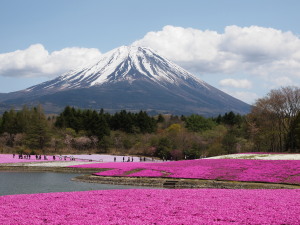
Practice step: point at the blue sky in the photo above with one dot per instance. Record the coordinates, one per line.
(245, 48)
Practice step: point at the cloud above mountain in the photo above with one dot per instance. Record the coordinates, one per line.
(256, 50)
(236, 83)
(243, 60)
(36, 61)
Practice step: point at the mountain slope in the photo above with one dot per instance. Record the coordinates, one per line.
(132, 78)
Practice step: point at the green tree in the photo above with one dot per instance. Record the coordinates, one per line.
(229, 142)
(163, 148)
(97, 126)
(145, 123)
(38, 133)
(197, 123)
(10, 125)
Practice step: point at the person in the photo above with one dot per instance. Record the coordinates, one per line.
(115, 159)
(131, 159)
(123, 158)
(54, 157)
(14, 155)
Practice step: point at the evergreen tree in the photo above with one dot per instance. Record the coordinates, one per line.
(145, 123)
(9, 125)
(97, 125)
(163, 148)
(38, 134)
(198, 123)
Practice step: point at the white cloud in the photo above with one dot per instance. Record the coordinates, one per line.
(253, 50)
(246, 96)
(236, 83)
(37, 61)
(282, 81)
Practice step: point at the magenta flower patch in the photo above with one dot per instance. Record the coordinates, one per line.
(274, 171)
(144, 206)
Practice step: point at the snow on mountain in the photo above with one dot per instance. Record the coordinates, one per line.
(124, 63)
(131, 78)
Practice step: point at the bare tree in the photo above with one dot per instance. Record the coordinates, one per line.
(273, 116)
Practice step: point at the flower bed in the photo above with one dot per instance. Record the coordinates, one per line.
(181, 206)
(279, 171)
(260, 155)
(8, 158)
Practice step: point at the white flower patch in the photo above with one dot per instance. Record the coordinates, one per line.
(259, 156)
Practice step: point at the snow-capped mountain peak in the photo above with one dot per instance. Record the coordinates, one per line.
(126, 63)
(131, 78)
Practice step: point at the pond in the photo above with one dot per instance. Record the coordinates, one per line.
(12, 183)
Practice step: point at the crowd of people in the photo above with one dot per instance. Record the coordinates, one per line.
(39, 157)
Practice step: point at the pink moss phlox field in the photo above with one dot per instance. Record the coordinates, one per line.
(144, 206)
(274, 171)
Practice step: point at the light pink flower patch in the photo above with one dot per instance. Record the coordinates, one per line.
(8, 158)
(274, 171)
(181, 206)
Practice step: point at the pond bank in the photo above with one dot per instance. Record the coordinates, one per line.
(181, 183)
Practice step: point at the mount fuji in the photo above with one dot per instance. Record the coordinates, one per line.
(131, 78)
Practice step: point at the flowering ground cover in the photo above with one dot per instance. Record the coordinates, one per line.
(144, 206)
(8, 158)
(107, 158)
(260, 155)
(274, 171)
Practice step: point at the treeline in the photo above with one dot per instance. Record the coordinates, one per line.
(76, 130)
(28, 127)
(100, 124)
(273, 125)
